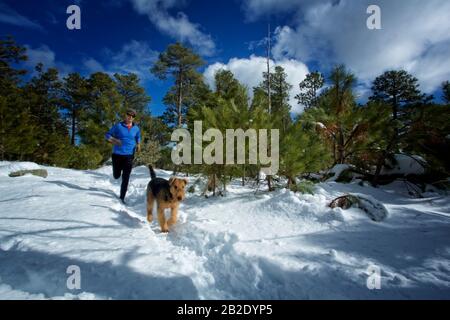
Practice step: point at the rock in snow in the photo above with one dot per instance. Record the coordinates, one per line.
(405, 165)
(373, 208)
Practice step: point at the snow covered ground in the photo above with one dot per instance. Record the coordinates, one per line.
(243, 246)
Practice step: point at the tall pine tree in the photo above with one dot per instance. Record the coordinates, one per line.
(45, 92)
(180, 63)
(76, 97)
(103, 110)
(309, 89)
(11, 108)
(446, 91)
(399, 90)
(337, 115)
(132, 93)
(301, 151)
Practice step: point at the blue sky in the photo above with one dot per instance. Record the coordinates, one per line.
(127, 35)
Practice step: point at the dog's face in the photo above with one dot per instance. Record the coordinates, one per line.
(177, 188)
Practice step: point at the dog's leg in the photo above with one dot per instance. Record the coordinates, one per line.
(150, 201)
(173, 216)
(162, 220)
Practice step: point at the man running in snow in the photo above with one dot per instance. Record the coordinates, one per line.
(126, 138)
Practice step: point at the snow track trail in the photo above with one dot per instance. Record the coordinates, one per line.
(242, 246)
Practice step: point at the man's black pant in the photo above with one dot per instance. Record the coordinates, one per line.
(122, 165)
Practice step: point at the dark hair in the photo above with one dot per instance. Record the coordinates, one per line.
(131, 112)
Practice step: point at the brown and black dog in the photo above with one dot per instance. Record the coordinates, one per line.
(168, 194)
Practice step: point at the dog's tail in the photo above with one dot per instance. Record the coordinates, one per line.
(152, 172)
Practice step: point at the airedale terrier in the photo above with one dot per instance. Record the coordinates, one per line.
(168, 194)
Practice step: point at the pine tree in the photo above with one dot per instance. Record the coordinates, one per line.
(279, 89)
(376, 135)
(398, 89)
(150, 152)
(226, 108)
(226, 84)
(103, 110)
(173, 113)
(10, 53)
(309, 89)
(132, 93)
(279, 112)
(446, 91)
(19, 138)
(75, 91)
(428, 136)
(194, 88)
(47, 88)
(301, 151)
(11, 108)
(337, 116)
(45, 94)
(180, 63)
(280, 97)
(155, 135)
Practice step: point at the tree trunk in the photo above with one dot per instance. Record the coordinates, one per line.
(268, 72)
(341, 147)
(291, 182)
(334, 151)
(382, 159)
(224, 187)
(269, 183)
(395, 113)
(180, 99)
(2, 137)
(72, 141)
(380, 165)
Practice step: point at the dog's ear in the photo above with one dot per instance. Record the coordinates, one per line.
(185, 181)
(171, 180)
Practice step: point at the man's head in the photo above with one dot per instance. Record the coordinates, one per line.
(130, 115)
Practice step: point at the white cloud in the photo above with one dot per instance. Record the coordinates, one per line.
(433, 67)
(10, 16)
(178, 27)
(249, 72)
(91, 65)
(47, 57)
(134, 57)
(415, 36)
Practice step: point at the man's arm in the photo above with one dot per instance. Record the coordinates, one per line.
(110, 137)
(115, 141)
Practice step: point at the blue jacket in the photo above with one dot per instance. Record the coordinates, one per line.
(129, 138)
